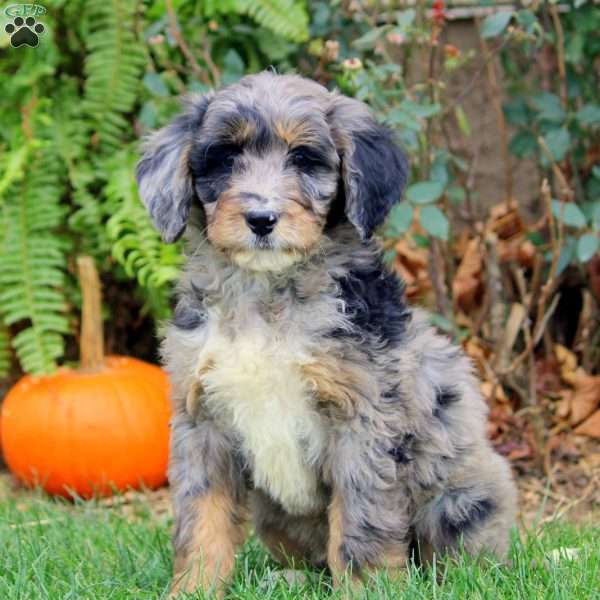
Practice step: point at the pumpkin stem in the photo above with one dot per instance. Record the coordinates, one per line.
(91, 345)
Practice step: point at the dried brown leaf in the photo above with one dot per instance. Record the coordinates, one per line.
(412, 256)
(411, 264)
(585, 398)
(526, 253)
(591, 426)
(568, 363)
(468, 279)
(505, 221)
(488, 390)
(563, 408)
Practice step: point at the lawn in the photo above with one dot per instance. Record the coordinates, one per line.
(57, 550)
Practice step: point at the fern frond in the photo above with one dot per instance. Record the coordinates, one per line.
(113, 68)
(32, 260)
(88, 218)
(71, 134)
(135, 243)
(4, 351)
(287, 18)
(12, 165)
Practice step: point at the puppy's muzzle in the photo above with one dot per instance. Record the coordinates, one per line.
(261, 222)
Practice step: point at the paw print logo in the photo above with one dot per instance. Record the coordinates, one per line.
(24, 32)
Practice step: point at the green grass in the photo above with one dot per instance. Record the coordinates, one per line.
(50, 549)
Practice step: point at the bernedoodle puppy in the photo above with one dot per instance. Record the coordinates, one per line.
(308, 397)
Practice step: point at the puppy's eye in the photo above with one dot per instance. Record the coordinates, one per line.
(307, 159)
(219, 158)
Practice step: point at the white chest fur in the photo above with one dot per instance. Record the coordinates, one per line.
(254, 384)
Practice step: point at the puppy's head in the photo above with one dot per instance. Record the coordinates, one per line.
(273, 161)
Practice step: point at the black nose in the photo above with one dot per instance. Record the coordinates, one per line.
(261, 222)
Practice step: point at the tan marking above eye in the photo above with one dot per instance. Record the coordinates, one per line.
(245, 131)
(236, 130)
(286, 131)
(296, 133)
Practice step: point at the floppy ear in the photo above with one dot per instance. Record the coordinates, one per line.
(374, 169)
(163, 176)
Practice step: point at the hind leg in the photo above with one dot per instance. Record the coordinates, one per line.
(476, 510)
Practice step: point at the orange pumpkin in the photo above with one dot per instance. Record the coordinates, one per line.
(93, 430)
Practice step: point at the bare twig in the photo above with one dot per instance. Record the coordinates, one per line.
(494, 286)
(565, 191)
(560, 51)
(556, 245)
(212, 67)
(584, 330)
(564, 97)
(475, 79)
(529, 343)
(514, 324)
(543, 313)
(536, 281)
(185, 49)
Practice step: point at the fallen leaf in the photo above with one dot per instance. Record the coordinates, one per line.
(526, 253)
(520, 451)
(585, 398)
(412, 265)
(408, 277)
(563, 408)
(508, 250)
(505, 220)
(514, 449)
(590, 427)
(459, 245)
(568, 363)
(475, 349)
(413, 257)
(468, 280)
(487, 389)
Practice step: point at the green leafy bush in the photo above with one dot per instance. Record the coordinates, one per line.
(74, 108)
(556, 111)
(106, 73)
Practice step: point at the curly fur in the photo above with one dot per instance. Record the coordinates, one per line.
(306, 394)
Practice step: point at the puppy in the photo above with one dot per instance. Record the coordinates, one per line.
(307, 396)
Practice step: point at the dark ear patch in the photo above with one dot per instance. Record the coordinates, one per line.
(373, 168)
(163, 175)
(378, 173)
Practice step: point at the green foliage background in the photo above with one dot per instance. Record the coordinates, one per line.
(73, 110)
(107, 71)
